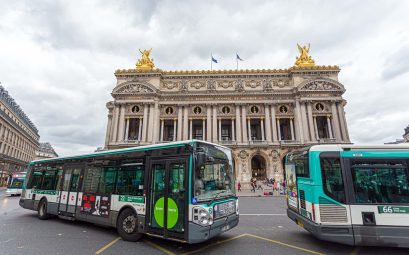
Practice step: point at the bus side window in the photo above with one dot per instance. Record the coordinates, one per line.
(332, 182)
(107, 180)
(92, 177)
(37, 178)
(49, 180)
(130, 180)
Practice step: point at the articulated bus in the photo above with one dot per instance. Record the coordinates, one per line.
(15, 184)
(355, 195)
(183, 191)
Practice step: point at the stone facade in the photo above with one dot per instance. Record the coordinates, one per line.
(406, 134)
(18, 137)
(45, 150)
(260, 114)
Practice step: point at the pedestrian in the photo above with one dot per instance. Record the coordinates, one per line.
(275, 186)
(259, 185)
(239, 186)
(253, 185)
(279, 187)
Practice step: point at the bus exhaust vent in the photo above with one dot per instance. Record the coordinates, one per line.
(331, 212)
(302, 199)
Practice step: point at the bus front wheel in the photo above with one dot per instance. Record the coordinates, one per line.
(127, 225)
(42, 210)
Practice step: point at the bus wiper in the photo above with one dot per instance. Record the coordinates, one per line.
(217, 195)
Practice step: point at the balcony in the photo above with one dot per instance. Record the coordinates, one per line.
(326, 140)
(130, 141)
(258, 142)
(227, 142)
(289, 142)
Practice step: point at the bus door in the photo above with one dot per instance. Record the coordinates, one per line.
(69, 190)
(167, 206)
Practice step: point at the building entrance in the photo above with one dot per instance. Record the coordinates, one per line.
(258, 167)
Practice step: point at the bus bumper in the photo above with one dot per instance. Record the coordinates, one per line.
(334, 233)
(26, 203)
(198, 234)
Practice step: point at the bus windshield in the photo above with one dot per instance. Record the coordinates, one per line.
(16, 183)
(214, 176)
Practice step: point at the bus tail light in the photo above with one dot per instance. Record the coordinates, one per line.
(313, 212)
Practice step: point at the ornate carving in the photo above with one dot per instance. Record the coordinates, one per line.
(243, 154)
(267, 85)
(281, 83)
(275, 154)
(183, 86)
(211, 85)
(197, 84)
(225, 84)
(239, 87)
(253, 84)
(134, 88)
(320, 85)
(170, 84)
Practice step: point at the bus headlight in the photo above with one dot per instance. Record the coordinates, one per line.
(202, 216)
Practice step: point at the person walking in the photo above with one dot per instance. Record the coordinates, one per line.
(239, 186)
(253, 185)
(275, 186)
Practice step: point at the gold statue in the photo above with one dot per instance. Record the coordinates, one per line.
(304, 59)
(145, 63)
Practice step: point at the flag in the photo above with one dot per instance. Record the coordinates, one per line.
(214, 60)
(238, 57)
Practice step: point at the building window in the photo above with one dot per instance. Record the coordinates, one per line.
(322, 126)
(283, 109)
(226, 110)
(319, 107)
(135, 109)
(197, 110)
(169, 110)
(254, 109)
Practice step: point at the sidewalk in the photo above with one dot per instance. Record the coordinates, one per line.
(258, 193)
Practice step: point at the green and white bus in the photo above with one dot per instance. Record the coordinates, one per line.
(183, 191)
(355, 195)
(15, 184)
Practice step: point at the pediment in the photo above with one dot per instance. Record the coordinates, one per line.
(321, 85)
(134, 88)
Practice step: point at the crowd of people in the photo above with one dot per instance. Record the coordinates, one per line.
(256, 184)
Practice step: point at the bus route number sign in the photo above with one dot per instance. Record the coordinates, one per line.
(393, 209)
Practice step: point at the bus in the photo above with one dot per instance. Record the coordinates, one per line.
(182, 191)
(350, 194)
(15, 184)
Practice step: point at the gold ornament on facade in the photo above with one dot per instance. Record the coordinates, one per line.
(145, 63)
(304, 60)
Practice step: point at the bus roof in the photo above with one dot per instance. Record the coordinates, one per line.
(129, 149)
(351, 147)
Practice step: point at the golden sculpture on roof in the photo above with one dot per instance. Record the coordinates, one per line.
(145, 63)
(304, 60)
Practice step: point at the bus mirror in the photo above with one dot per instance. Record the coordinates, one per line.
(201, 158)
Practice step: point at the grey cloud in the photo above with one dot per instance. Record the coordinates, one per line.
(397, 63)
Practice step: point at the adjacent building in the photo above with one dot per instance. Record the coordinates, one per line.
(45, 150)
(18, 137)
(260, 114)
(406, 134)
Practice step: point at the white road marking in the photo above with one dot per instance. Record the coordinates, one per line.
(262, 214)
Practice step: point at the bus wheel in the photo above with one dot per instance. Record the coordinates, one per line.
(127, 225)
(42, 210)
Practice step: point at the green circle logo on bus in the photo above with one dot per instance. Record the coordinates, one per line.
(173, 212)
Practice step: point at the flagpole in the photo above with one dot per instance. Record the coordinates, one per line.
(211, 61)
(237, 63)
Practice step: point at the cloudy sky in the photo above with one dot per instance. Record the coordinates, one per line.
(57, 58)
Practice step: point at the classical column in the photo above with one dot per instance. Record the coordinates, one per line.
(268, 122)
(214, 128)
(249, 128)
(190, 128)
(174, 129)
(262, 129)
(126, 129)
(292, 128)
(341, 115)
(304, 121)
(140, 129)
(335, 122)
(204, 129)
(151, 123)
(121, 124)
(156, 124)
(316, 128)
(311, 123)
(162, 125)
(209, 124)
(116, 119)
(273, 123)
(238, 125)
(233, 136)
(145, 123)
(180, 118)
(185, 123)
(298, 122)
(107, 135)
(219, 131)
(278, 129)
(329, 127)
(244, 124)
